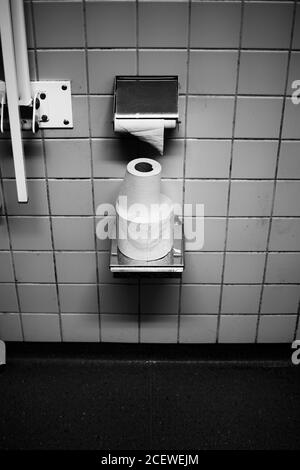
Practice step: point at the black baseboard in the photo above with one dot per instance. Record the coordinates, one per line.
(153, 352)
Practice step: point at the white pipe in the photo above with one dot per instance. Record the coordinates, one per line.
(21, 53)
(13, 98)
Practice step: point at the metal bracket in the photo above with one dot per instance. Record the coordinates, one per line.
(2, 353)
(172, 263)
(51, 106)
(55, 104)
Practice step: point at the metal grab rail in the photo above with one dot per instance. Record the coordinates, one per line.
(14, 47)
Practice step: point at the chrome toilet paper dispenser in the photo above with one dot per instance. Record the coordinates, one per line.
(146, 97)
(144, 106)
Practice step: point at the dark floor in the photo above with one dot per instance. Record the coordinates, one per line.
(122, 397)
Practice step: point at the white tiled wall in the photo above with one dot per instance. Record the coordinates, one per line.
(237, 151)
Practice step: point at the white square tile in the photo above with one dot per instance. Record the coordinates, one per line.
(213, 194)
(78, 298)
(119, 328)
(280, 299)
(54, 16)
(41, 328)
(289, 160)
(203, 268)
(72, 197)
(262, 73)
(283, 268)
(34, 266)
(159, 299)
(206, 234)
(208, 158)
(213, 72)
(38, 298)
(80, 328)
(251, 198)
(287, 199)
(116, 299)
(198, 328)
(6, 267)
(210, 117)
(162, 24)
(258, 117)
(200, 299)
(105, 65)
(37, 198)
(237, 328)
(10, 327)
(73, 233)
(159, 328)
(215, 24)
(244, 268)
(240, 299)
(291, 120)
(247, 234)
(273, 17)
(76, 267)
(63, 65)
(8, 298)
(68, 158)
(285, 235)
(276, 329)
(254, 159)
(30, 233)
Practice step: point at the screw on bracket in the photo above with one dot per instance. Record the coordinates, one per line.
(44, 118)
(43, 96)
(64, 87)
(66, 122)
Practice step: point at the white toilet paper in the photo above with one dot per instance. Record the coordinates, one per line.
(145, 217)
(148, 130)
(141, 184)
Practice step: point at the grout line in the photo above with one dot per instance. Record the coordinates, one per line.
(276, 172)
(204, 252)
(11, 251)
(152, 396)
(49, 215)
(215, 217)
(89, 251)
(139, 281)
(164, 178)
(159, 48)
(137, 30)
(149, 283)
(297, 321)
(92, 166)
(230, 170)
(179, 138)
(252, 96)
(139, 286)
(185, 152)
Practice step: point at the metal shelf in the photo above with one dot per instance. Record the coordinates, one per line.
(172, 263)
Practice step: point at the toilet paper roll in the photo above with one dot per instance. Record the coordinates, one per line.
(148, 130)
(141, 184)
(146, 237)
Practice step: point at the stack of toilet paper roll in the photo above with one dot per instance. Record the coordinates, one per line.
(145, 217)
